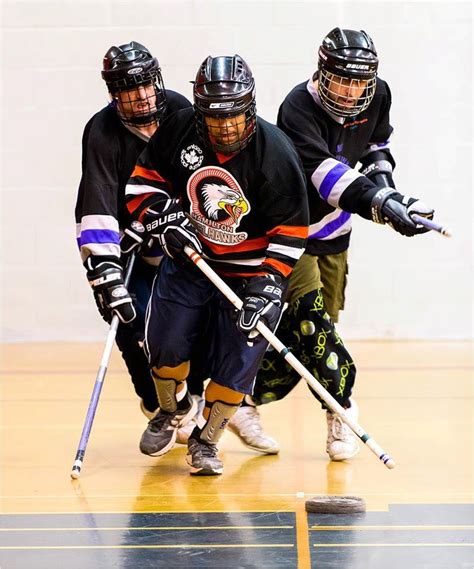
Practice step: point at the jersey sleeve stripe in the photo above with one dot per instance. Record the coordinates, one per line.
(141, 172)
(331, 225)
(281, 267)
(341, 186)
(98, 221)
(289, 230)
(134, 204)
(138, 189)
(100, 249)
(98, 236)
(240, 262)
(293, 252)
(332, 178)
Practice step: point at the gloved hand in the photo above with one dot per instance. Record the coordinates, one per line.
(171, 228)
(389, 206)
(133, 238)
(262, 299)
(105, 276)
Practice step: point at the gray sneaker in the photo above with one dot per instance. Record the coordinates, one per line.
(160, 435)
(202, 457)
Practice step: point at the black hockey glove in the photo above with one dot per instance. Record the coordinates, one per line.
(133, 238)
(262, 299)
(389, 206)
(105, 276)
(172, 229)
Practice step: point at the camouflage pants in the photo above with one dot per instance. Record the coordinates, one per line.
(307, 329)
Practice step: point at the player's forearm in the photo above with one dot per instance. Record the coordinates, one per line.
(98, 235)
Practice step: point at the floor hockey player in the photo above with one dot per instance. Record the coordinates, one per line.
(112, 141)
(336, 119)
(224, 181)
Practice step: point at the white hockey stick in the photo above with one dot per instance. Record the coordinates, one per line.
(99, 381)
(333, 405)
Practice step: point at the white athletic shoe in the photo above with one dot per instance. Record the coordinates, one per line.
(148, 414)
(341, 443)
(246, 424)
(183, 433)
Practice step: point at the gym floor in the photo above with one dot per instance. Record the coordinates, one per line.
(128, 510)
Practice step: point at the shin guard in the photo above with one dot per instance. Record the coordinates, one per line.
(166, 389)
(220, 413)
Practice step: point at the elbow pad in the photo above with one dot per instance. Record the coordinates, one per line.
(379, 172)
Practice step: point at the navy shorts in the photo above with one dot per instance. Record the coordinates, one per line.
(182, 300)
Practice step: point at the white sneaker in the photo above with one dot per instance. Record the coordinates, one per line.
(148, 414)
(183, 433)
(341, 443)
(247, 426)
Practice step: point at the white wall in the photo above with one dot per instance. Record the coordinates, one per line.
(52, 54)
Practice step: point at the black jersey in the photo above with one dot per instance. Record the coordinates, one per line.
(330, 147)
(109, 153)
(250, 208)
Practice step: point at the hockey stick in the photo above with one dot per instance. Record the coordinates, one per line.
(430, 224)
(294, 362)
(109, 344)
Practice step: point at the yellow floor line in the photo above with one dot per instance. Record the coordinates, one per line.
(147, 528)
(302, 536)
(387, 528)
(393, 545)
(174, 546)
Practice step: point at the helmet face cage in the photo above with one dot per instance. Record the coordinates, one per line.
(330, 87)
(224, 104)
(347, 72)
(226, 133)
(135, 84)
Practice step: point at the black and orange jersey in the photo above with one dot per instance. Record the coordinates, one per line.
(109, 153)
(330, 148)
(250, 208)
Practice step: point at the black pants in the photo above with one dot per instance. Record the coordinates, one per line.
(130, 337)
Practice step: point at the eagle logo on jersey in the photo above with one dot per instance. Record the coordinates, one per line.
(221, 203)
(217, 205)
(192, 157)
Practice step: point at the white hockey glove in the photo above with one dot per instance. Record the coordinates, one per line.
(391, 207)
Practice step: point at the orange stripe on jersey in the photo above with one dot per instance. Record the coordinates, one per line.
(148, 174)
(289, 231)
(247, 245)
(240, 274)
(284, 269)
(134, 204)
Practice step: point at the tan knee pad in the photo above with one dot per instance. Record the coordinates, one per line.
(180, 372)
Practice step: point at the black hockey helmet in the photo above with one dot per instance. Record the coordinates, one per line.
(343, 55)
(225, 88)
(127, 67)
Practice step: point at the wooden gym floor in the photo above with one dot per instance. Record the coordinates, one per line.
(132, 511)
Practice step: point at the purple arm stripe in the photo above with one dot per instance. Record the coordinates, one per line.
(332, 226)
(331, 178)
(98, 236)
